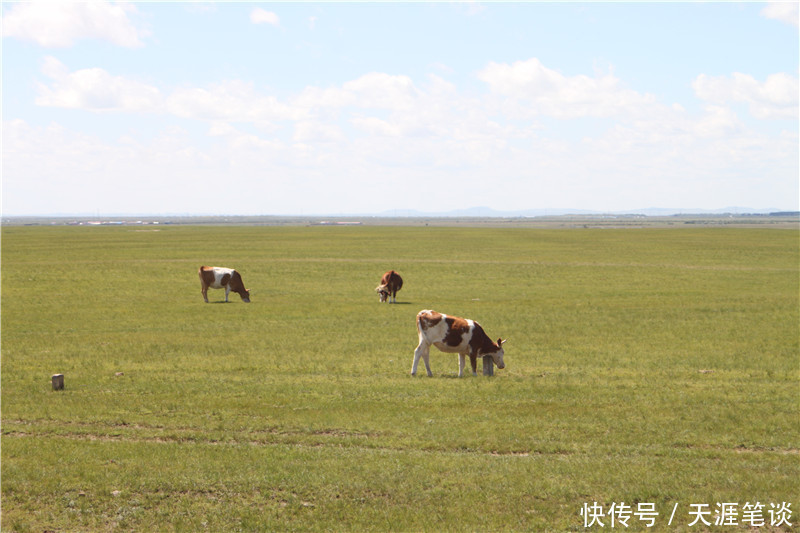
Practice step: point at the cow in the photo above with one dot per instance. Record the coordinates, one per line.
(391, 282)
(222, 278)
(454, 335)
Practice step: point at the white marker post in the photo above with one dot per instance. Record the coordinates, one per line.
(488, 367)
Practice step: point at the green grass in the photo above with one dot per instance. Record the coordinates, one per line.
(644, 365)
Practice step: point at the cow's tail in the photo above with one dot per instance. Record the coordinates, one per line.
(420, 317)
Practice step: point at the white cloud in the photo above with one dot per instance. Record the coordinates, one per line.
(261, 16)
(308, 131)
(235, 101)
(384, 91)
(393, 126)
(376, 127)
(104, 175)
(375, 90)
(94, 89)
(663, 159)
(61, 24)
(543, 91)
(717, 122)
(221, 129)
(787, 12)
(776, 97)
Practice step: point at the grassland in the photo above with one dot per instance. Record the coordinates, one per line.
(644, 366)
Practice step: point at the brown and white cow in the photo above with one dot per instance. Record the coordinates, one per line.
(391, 282)
(454, 335)
(222, 278)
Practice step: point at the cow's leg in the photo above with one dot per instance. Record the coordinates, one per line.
(417, 355)
(227, 290)
(473, 359)
(461, 365)
(423, 350)
(425, 359)
(204, 291)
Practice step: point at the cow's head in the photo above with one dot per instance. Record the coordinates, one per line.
(383, 292)
(497, 356)
(245, 294)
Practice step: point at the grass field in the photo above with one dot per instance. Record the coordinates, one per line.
(644, 366)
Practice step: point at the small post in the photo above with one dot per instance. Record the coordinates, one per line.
(58, 381)
(488, 367)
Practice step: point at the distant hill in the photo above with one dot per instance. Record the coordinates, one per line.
(651, 212)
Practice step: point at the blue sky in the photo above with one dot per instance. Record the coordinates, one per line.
(327, 108)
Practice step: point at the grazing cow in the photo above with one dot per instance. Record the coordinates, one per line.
(454, 335)
(222, 278)
(391, 282)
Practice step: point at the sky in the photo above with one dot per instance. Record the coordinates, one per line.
(237, 108)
